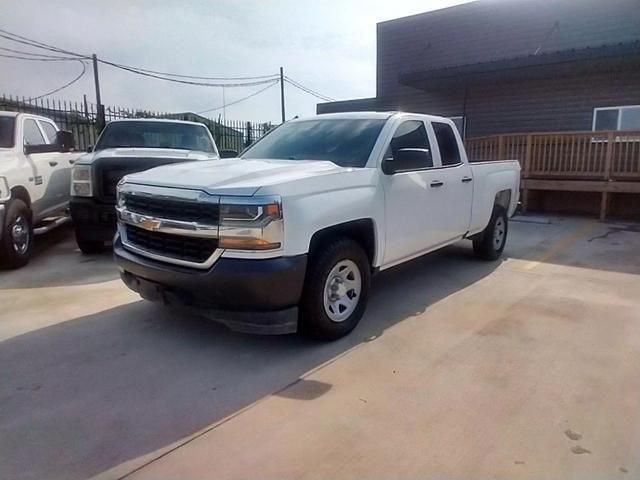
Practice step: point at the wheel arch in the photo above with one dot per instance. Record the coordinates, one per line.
(361, 231)
(503, 199)
(21, 193)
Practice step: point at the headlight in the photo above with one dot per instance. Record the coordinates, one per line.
(81, 185)
(5, 193)
(119, 195)
(250, 224)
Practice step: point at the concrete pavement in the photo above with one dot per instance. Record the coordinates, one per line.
(525, 368)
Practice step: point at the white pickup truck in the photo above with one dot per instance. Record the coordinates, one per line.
(287, 236)
(35, 174)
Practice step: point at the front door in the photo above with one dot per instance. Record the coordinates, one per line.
(43, 198)
(60, 180)
(412, 194)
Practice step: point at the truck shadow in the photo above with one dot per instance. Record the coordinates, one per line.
(86, 395)
(56, 261)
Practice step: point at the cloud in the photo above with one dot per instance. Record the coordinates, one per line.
(328, 46)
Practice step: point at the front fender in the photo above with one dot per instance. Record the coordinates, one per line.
(304, 216)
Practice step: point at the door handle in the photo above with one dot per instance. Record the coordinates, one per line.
(466, 179)
(53, 164)
(436, 184)
(72, 161)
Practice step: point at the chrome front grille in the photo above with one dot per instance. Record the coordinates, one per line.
(170, 225)
(205, 213)
(180, 247)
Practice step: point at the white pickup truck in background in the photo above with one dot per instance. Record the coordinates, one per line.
(35, 175)
(287, 236)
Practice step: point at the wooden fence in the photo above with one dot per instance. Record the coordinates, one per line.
(603, 161)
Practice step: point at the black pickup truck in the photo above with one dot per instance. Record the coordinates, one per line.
(127, 146)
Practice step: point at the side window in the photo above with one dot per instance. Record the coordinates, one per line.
(447, 143)
(409, 146)
(32, 135)
(49, 131)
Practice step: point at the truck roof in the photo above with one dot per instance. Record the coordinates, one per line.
(371, 115)
(165, 120)
(8, 114)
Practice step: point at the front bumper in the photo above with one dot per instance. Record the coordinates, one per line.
(254, 296)
(92, 219)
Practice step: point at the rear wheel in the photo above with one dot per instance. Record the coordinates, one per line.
(336, 290)
(17, 235)
(89, 246)
(490, 244)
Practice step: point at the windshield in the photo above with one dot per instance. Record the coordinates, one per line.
(6, 131)
(182, 136)
(345, 142)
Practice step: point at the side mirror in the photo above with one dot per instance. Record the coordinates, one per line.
(388, 166)
(43, 148)
(90, 149)
(228, 153)
(65, 141)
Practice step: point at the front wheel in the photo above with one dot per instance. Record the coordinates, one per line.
(89, 247)
(491, 242)
(17, 235)
(336, 290)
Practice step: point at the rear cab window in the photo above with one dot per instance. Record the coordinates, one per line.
(7, 131)
(447, 144)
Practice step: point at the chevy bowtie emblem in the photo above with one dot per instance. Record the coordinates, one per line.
(149, 223)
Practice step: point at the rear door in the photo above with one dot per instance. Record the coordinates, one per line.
(60, 180)
(456, 192)
(412, 194)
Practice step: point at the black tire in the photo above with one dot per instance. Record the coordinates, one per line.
(314, 319)
(89, 247)
(16, 253)
(490, 244)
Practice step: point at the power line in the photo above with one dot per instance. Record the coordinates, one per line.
(195, 77)
(31, 54)
(259, 80)
(299, 86)
(18, 57)
(84, 69)
(273, 82)
(186, 82)
(34, 43)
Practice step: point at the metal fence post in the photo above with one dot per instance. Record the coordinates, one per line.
(249, 135)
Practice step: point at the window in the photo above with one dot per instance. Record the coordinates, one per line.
(447, 143)
(32, 135)
(410, 147)
(6, 131)
(345, 142)
(460, 123)
(617, 118)
(49, 131)
(155, 134)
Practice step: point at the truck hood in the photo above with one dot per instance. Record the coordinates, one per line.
(233, 176)
(159, 153)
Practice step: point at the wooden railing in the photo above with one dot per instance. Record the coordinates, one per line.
(603, 155)
(605, 162)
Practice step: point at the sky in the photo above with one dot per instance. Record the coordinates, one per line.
(326, 45)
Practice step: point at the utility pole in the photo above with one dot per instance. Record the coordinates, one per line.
(282, 93)
(224, 106)
(100, 119)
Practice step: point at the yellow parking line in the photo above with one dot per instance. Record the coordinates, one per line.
(561, 245)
